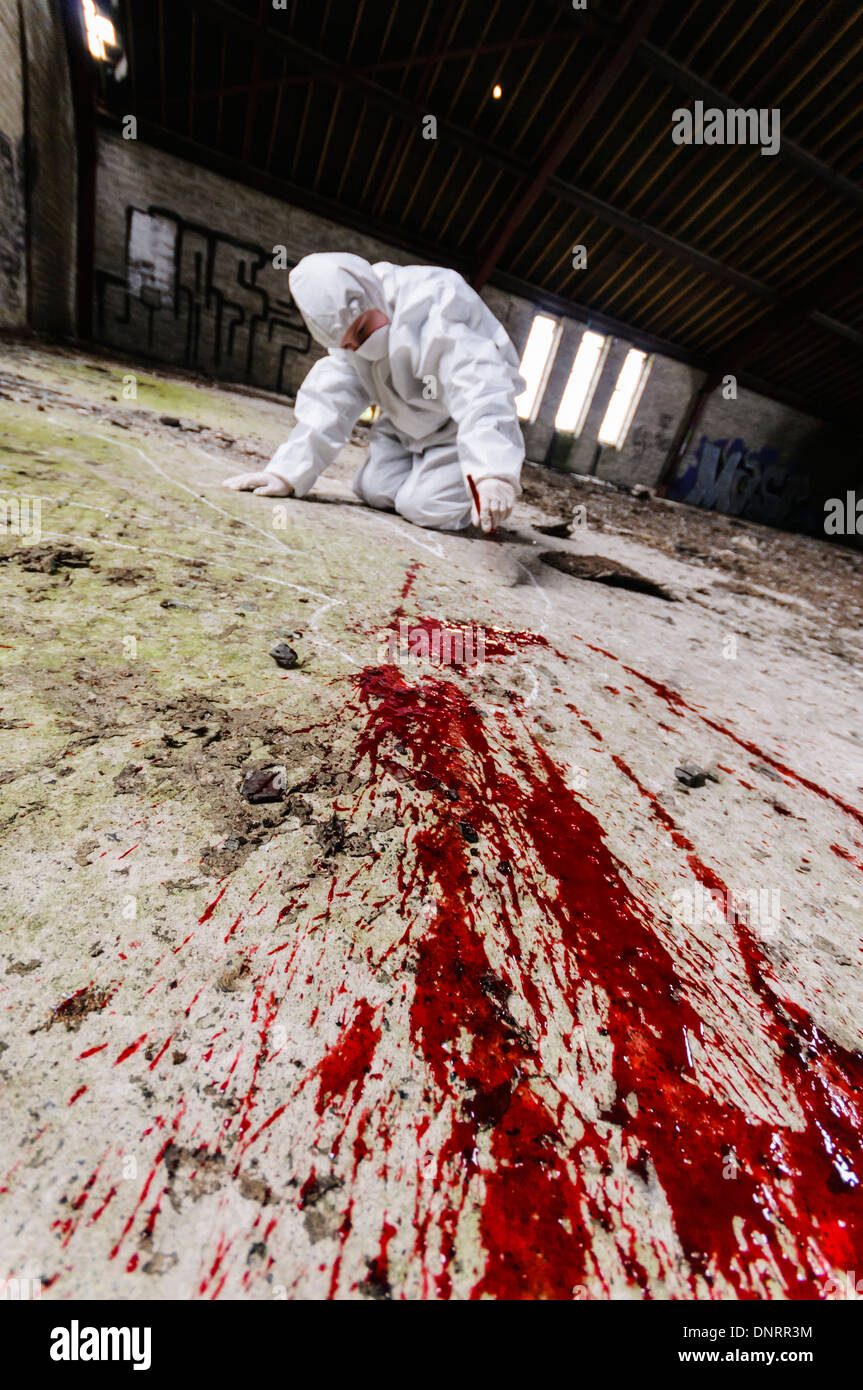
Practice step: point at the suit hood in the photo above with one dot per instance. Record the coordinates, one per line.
(331, 289)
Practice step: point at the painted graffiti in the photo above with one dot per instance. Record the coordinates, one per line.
(200, 298)
(727, 476)
(646, 441)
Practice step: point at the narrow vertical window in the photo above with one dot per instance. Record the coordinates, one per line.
(625, 397)
(578, 393)
(536, 363)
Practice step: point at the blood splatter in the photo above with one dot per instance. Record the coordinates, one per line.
(347, 1062)
(795, 1185)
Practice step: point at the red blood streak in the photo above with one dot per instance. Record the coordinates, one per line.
(91, 1050)
(221, 1251)
(594, 733)
(141, 1198)
(234, 925)
(379, 1265)
(98, 1212)
(150, 1224)
(85, 1191)
(127, 1051)
(211, 907)
(796, 1191)
(461, 644)
(270, 1010)
(266, 1125)
(844, 854)
(410, 576)
(672, 698)
(163, 1049)
(80, 1091)
(347, 1063)
(308, 1187)
(676, 702)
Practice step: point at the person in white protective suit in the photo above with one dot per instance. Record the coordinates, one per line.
(422, 345)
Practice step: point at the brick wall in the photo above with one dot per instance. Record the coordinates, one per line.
(757, 458)
(13, 266)
(185, 274)
(53, 172)
(37, 174)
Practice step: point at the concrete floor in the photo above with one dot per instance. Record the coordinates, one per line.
(489, 1005)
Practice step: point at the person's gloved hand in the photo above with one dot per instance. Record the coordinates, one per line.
(262, 484)
(497, 499)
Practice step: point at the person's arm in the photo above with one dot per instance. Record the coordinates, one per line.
(479, 390)
(328, 405)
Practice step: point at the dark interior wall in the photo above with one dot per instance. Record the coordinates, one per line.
(759, 459)
(185, 273)
(13, 246)
(38, 179)
(52, 168)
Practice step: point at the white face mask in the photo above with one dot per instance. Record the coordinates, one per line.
(376, 345)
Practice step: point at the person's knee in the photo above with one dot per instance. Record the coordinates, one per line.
(435, 512)
(381, 475)
(376, 486)
(373, 496)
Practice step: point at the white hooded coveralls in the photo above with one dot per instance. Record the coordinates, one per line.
(446, 387)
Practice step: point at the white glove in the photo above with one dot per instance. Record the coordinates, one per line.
(262, 484)
(497, 500)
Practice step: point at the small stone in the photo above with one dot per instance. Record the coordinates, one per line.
(468, 832)
(284, 656)
(268, 784)
(330, 835)
(691, 775)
